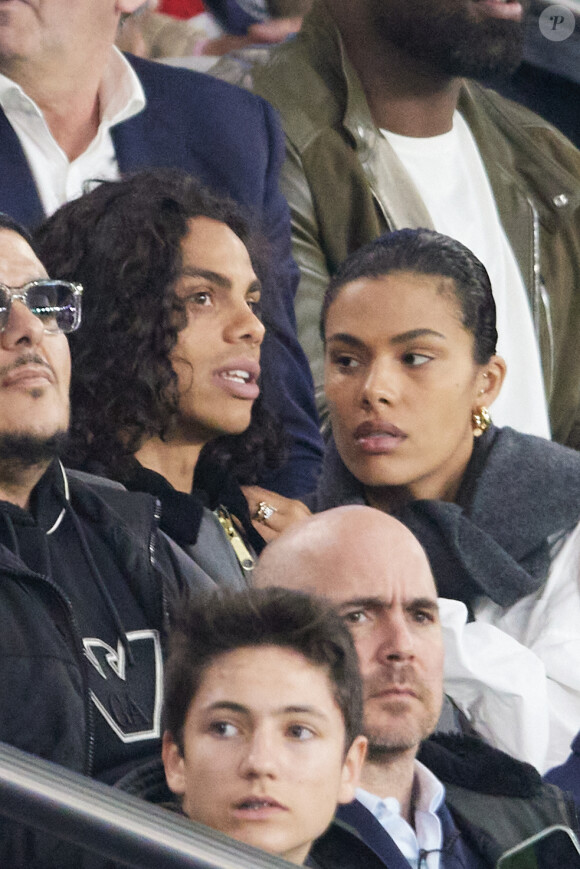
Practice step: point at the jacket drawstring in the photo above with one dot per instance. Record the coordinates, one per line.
(65, 499)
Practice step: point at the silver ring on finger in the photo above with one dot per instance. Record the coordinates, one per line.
(264, 512)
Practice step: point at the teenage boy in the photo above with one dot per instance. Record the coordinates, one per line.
(263, 711)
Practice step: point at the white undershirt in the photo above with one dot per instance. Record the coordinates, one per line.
(427, 835)
(450, 177)
(57, 179)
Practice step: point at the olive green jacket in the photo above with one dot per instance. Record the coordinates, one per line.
(345, 186)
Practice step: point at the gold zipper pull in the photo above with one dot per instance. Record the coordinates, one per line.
(242, 552)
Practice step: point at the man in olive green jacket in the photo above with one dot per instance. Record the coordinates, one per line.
(345, 78)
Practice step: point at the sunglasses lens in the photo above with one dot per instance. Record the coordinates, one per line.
(4, 306)
(55, 303)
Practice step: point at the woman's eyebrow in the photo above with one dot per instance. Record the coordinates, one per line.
(352, 341)
(415, 333)
(345, 338)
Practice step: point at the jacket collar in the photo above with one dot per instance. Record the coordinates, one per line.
(471, 763)
(393, 189)
(556, 190)
(18, 193)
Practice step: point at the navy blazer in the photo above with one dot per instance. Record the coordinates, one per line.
(567, 774)
(456, 852)
(372, 833)
(232, 141)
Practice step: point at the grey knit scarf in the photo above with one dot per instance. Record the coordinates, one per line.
(519, 498)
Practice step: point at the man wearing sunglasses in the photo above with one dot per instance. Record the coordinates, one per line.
(86, 580)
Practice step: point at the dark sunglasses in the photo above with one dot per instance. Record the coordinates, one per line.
(56, 303)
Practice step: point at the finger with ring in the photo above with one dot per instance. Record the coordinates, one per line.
(264, 512)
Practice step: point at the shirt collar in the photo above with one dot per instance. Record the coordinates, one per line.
(428, 791)
(121, 94)
(13, 97)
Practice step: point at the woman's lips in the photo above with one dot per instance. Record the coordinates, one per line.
(239, 378)
(377, 438)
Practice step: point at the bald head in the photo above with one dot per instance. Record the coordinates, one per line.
(376, 574)
(332, 550)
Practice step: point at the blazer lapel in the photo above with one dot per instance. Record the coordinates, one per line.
(18, 194)
(156, 136)
(372, 833)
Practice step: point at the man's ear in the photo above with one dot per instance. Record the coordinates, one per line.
(174, 764)
(351, 769)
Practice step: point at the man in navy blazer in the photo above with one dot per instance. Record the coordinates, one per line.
(59, 75)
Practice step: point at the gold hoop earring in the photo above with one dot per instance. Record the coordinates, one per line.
(480, 420)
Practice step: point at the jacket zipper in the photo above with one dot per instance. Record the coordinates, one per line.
(164, 620)
(81, 654)
(243, 554)
(541, 299)
(75, 633)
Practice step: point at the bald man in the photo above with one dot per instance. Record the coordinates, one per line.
(377, 575)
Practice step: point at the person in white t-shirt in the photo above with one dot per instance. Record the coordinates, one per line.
(385, 130)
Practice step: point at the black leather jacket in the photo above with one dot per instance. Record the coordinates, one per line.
(46, 707)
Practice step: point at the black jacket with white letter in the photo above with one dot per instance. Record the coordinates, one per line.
(45, 664)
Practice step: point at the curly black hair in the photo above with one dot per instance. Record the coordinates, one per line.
(122, 241)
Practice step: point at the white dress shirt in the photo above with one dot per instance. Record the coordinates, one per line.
(427, 836)
(57, 179)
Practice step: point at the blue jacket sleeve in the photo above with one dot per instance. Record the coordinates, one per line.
(286, 372)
